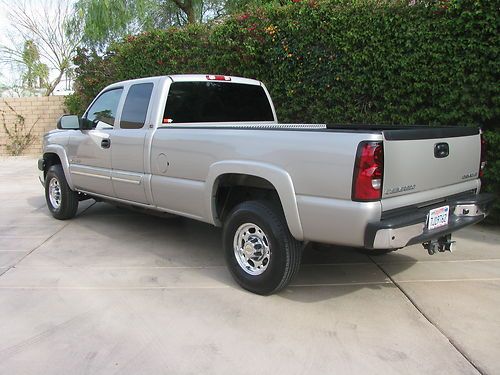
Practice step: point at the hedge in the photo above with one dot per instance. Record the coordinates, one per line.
(336, 61)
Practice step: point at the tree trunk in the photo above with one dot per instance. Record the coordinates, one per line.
(52, 86)
(188, 8)
(191, 16)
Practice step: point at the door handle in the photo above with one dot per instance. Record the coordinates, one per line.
(105, 143)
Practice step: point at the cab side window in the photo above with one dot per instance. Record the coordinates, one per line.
(136, 106)
(103, 110)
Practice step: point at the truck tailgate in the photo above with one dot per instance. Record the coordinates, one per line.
(424, 159)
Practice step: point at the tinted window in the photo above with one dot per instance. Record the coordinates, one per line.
(104, 108)
(216, 102)
(136, 105)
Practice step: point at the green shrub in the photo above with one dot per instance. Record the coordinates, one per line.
(93, 73)
(73, 103)
(336, 61)
(491, 180)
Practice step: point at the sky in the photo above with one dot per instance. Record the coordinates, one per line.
(3, 16)
(3, 23)
(4, 71)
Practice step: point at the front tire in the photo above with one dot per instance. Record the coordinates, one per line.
(260, 251)
(61, 200)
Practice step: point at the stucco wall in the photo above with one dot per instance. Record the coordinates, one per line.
(44, 110)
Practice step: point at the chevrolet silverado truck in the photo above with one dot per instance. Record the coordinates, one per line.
(210, 148)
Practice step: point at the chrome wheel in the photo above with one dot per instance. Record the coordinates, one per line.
(55, 193)
(251, 249)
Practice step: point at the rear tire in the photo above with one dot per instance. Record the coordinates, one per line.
(261, 253)
(61, 200)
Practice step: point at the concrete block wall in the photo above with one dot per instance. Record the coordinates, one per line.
(46, 110)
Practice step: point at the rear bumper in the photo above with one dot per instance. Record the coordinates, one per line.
(410, 226)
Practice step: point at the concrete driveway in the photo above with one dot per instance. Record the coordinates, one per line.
(118, 292)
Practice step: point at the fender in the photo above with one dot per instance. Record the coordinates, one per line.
(278, 177)
(61, 152)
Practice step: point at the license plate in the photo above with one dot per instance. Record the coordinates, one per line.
(438, 217)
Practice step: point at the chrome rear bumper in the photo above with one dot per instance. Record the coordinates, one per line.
(410, 227)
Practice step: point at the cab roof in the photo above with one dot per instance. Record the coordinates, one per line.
(188, 78)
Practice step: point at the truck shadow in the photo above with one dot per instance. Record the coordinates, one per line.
(329, 271)
(131, 239)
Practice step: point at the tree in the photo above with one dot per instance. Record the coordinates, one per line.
(180, 13)
(36, 73)
(40, 40)
(189, 8)
(238, 6)
(104, 21)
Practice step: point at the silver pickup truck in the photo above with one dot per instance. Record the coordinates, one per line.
(210, 148)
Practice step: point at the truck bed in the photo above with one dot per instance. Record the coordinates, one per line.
(407, 132)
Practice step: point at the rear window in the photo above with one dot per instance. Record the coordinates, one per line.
(216, 102)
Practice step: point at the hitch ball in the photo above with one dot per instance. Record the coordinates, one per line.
(442, 244)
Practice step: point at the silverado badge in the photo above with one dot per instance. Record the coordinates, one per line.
(399, 189)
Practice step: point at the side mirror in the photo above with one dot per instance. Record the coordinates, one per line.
(68, 122)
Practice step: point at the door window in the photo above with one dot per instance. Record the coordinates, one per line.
(103, 110)
(136, 106)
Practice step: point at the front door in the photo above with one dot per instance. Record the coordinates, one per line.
(90, 150)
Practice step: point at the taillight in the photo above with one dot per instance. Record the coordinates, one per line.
(483, 156)
(218, 78)
(368, 172)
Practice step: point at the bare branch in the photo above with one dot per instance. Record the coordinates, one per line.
(44, 23)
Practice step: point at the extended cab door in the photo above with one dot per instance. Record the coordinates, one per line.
(129, 149)
(89, 150)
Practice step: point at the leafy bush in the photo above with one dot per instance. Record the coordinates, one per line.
(336, 61)
(491, 180)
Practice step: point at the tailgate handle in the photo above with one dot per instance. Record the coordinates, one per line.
(441, 150)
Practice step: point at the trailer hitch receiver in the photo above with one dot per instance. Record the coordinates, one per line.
(442, 244)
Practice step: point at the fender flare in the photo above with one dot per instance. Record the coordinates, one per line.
(276, 176)
(61, 153)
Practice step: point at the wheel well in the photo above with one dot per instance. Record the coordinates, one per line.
(50, 159)
(232, 189)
